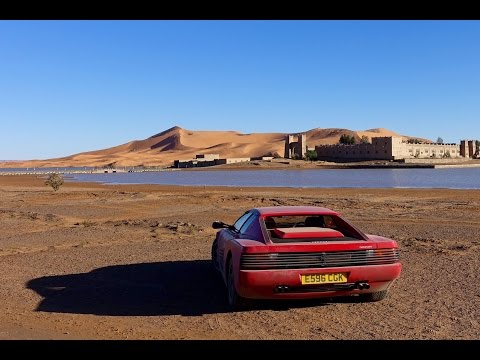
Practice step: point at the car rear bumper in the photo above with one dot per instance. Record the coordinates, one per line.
(286, 284)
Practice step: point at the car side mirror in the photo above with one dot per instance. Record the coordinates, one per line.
(219, 225)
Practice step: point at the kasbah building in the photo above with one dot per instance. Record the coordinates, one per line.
(393, 148)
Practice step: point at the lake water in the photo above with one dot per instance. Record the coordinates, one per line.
(460, 178)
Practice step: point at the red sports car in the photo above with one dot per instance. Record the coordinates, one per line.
(301, 252)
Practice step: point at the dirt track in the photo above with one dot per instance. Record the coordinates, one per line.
(132, 262)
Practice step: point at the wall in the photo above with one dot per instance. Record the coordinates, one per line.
(387, 148)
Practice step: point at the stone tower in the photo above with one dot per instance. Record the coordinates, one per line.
(463, 148)
(471, 148)
(295, 146)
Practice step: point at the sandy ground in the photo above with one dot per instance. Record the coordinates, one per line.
(132, 262)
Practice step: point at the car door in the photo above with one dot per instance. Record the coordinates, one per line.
(229, 235)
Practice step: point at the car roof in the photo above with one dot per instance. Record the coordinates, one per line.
(294, 210)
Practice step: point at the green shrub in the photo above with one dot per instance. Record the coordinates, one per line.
(347, 139)
(311, 155)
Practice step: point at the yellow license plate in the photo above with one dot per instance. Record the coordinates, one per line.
(311, 279)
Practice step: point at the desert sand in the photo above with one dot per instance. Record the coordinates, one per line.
(132, 262)
(177, 143)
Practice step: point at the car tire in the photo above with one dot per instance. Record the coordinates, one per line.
(235, 301)
(214, 255)
(374, 296)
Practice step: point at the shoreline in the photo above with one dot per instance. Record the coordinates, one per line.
(286, 164)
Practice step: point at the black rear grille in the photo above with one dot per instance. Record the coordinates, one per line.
(306, 260)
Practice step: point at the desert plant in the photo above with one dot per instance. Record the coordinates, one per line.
(55, 181)
(365, 139)
(347, 139)
(311, 155)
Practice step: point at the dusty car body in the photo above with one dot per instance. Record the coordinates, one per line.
(301, 252)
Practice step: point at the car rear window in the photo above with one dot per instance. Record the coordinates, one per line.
(309, 228)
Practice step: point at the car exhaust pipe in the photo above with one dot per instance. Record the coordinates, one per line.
(363, 285)
(281, 288)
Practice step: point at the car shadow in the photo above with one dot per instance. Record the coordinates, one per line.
(145, 289)
(190, 288)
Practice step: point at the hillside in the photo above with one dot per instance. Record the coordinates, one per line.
(177, 143)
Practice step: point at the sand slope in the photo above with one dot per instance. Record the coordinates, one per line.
(177, 143)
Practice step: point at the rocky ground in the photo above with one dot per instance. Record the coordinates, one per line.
(132, 262)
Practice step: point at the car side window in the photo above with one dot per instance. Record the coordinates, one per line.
(246, 224)
(241, 220)
(329, 222)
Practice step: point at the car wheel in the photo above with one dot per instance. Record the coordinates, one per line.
(375, 296)
(214, 255)
(234, 300)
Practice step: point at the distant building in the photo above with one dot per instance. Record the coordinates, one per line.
(202, 160)
(295, 146)
(231, 160)
(381, 148)
(394, 148)
(264, 158)
(206, 157)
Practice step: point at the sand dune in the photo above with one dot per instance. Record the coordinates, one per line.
(177, 143)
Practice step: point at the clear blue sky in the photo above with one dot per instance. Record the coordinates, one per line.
(73, 86)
